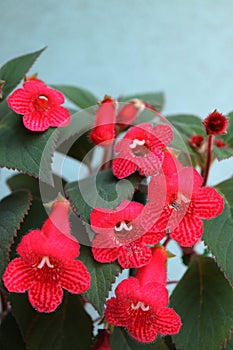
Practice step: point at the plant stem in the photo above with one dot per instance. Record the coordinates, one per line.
(107, 158)
(208, 160)
(167, 240)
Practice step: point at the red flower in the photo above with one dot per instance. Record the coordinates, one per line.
(103, 342)
(39, 105)
(184, 204)
(103, 132)
(219, 143)
(120, 236)
(129, 112)
(216, 123)
(141, 149)
(47, 263)
(141, 303)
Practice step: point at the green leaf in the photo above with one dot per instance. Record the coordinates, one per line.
(226, 188)
(102, 277)
(219, 239)
(120, 339)
(69, 327)
(229, 345)
(100, 190)
(186, 125)
(14, 70)
(74, 140)
(38, 190)
(13, 209)
(222, 152)
(204, 300)
(10, 335)
(24, 150)
(79, 96)
(153, 98)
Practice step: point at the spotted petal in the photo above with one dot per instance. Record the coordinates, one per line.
(207, 203)
(167, 321)
(76, 278)
(134, 255)
(189, 231)
(18, 276)
(44, 296)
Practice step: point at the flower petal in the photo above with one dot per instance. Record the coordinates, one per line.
(188, 232)
(207, 203)
(154, 294)
(18, 276)
(118, 312)
(36, 121)
(76, 278)
(167, 321)
(45, 297)
(134, 255)
(142, 327)
(163, 136)
(150, 164)
(58, 116)
(123, 167)
(19, 101)
(104, 255)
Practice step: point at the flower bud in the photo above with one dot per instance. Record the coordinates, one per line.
(216, 123)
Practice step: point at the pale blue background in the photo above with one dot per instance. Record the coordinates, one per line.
(184, 48)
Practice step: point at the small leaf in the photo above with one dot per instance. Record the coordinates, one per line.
(100, 190)
(14, 70)
(79, 96)
(153, 98)
(102, 278)
(10, 335)
(120, 339)
(204, 300)
(26, 151)
(219, 239)
(13, 209)
(69, 327)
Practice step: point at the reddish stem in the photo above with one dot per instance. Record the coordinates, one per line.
(3, 302)
(107, 158)
(208, 161)
(167, 240)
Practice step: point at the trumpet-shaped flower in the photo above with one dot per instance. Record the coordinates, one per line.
(141, 149)
(120, 236)
(40, 106)
(141, 303)
(47, 263)
(177, 204)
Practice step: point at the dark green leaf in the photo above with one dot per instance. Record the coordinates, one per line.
(24, 150)
(10, 335)
(74, 140)
(38, 190)
(204, 300)
(102, 277)
(121, 340)
(186, 125)
(12, 212)
(226, 188)
(69, 327)
(100, 190)
(14, 70)
(222, 152)
(79, 96)
(219, 239)
(155, 99)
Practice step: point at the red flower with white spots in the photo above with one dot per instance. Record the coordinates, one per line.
(103, 132)
(177, 204)
(47, 263)
(40, 106)
(141, 303)
(141, 149)
(120, 236)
